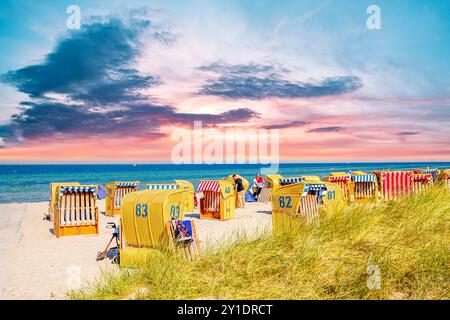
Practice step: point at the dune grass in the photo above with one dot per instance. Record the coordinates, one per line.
(407, 242)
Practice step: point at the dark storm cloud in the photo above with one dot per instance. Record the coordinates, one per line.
(93, 68)
(256, 82)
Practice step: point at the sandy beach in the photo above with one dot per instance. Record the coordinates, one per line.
(37, 265)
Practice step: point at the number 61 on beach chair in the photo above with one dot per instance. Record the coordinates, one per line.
(150, 222)
(76, 212)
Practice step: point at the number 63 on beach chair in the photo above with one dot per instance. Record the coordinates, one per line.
(76, 212)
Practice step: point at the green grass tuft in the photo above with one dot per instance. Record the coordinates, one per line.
(408, 241)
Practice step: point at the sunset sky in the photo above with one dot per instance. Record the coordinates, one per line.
(116, 89)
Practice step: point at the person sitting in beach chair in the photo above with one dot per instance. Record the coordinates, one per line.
(239, 186)
(258, 184)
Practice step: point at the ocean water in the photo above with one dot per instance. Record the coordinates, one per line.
(31, 183)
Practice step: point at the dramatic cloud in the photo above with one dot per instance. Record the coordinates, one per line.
(256, 82)
(292, 124)
(87, 86)
(327, 129)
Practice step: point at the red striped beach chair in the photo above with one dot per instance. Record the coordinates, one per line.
(344, 182)
(396, 185)
(217, 199)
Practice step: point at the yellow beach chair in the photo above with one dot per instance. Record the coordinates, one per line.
(151, 220)
(178, 185)
(76, 212)
(216, 199)
(363, 188)
(54, 196)
(301, 202)
(116, 191)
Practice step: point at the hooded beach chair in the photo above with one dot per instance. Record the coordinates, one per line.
(301, 202)
(178, 185)
(217, 199)
(76, 212)
(54, 196)
(342, 179)
(151, 220)
(116, 191)
(363, 188)
(396, 185)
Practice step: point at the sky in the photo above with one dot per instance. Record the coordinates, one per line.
(116, 89)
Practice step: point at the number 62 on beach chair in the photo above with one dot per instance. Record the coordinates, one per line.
(76, 212)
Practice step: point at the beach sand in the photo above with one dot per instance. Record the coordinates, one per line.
(37, 265)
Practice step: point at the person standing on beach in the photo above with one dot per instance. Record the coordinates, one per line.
(240, 190)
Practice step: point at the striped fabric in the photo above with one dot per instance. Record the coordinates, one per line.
(163, 186)
(76, 207)
(447, 181)
(195, 201)
(339, 179)
(126, 184)
(208, 185)
(286, 181)
(120, 193)
(421, 181)
(364, 178)
(365, 186)
(77, 189)
(396, 185)
(318, 189)
(210, 201)
(342, 181)
(309, 207)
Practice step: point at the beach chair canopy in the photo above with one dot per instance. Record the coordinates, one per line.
(319, 189)
(209, 185)
(126, 184)
(285, 181)
(77, 189)
(163, 186)
(364, 178)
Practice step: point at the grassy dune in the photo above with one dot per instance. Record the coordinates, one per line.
(407, 241)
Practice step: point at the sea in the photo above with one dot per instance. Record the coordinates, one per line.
(31, 183)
